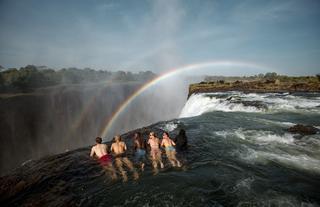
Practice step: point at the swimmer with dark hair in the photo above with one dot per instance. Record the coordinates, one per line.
(139, 145)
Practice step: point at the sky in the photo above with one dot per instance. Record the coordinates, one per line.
(161, 34)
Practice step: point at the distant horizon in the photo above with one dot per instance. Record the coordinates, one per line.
(114, 70)
(136, 70)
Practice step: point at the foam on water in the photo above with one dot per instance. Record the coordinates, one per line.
(257, 136)
(244, 184)
(279, 123)
(170, 126)
(26, 162)
(198, 104)
(301, 161)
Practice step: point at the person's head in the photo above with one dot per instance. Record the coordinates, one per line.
(151, 135)
(117, 138)
(137, 135)
(182, 132)
(98, 140)
(165, 135)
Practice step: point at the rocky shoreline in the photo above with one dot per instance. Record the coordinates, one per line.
(291, 85)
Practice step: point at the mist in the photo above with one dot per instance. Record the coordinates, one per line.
(160, 102)
(55, 119)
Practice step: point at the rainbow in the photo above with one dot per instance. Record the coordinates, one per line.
(84, 113)
(107, 124)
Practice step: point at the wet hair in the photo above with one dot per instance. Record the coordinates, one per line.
(166, 133)
(98, 140)
(117, 136)
(140, 139)
(138, 135)
(182, 132)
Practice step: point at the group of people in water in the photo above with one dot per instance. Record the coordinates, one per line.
(118, 153)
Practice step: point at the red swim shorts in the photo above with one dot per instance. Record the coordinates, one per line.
(105, 159)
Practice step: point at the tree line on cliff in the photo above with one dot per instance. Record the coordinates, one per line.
(270, 76)
(31, 77)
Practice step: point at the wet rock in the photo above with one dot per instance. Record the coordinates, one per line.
(280, 85)
(303, 129)
(20, 186)
(229, 99)
(256, 104)
(269, 81)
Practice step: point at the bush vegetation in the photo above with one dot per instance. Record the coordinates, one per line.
(31, 77)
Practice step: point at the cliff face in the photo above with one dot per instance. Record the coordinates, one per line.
(294, 84)
(52, 120)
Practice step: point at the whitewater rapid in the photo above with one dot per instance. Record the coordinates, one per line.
(269, 115)
(198, 104)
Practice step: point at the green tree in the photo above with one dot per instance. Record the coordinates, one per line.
(1, 82)
(272, 75)
(71, 75)
(120, 76)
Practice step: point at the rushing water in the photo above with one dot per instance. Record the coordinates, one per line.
(240, 154)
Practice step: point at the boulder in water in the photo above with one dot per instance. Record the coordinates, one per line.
(256, 104)
(303, 129)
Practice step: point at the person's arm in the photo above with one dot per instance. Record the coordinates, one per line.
(135, 145)
(124, 146)
(172, 142)
(175, 139)
(144, 143)
(92, 152)
(147, 145)
(162, 143)
(111, 148)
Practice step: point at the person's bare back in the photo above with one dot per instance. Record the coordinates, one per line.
(118, 147)
(99, 150)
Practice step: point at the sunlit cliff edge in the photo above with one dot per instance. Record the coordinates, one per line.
(256, 84)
